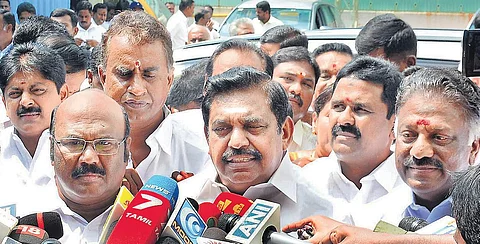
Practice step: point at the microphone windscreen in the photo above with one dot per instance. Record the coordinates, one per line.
(215, 233)
(232, 203)
(51, 241)
(48, 221)
(167, 240)
(412, 224)
(226, 222)
(209, 213)
(28, 234)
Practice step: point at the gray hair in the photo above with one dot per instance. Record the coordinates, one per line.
(448, 84)
(233, 29)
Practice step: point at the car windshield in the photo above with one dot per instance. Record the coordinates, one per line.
(298, 18)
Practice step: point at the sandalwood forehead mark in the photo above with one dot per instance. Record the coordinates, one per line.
(138, 64)
(423, 122)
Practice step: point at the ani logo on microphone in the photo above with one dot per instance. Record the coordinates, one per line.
(188, 225)
(252, 221)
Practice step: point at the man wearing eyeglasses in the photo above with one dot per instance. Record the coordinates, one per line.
(89, 153)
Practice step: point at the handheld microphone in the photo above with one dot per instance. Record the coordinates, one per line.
(232, 203)
(185, 224)
(51, 241)
(48, 221)
(226, 222)
(213, 235)
(412, 224)
(209, 213)
(124, 197)
(260, 224)
(145, 216)
(445, 225)
(167, 240)
(7, 223)
(9, 240)
(28, 234)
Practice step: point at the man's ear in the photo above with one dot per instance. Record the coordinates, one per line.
(103, 77)
(75, 31)
(314, 122)
(64, 92)
(392, 131)
(411, 60)
(170, 78)
(287, 133)
(474, 151)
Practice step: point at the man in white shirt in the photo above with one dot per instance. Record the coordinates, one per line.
(204, 18)
(264, 20)
(89, 150)
(137, 72)
(298, 73)
(360, 176)
(6, 32)
(31, 80)
(248, 140)
(177, 25)
(100, 15)
(89, 33)
(438, 113)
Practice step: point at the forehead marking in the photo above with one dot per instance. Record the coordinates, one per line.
(423, 122)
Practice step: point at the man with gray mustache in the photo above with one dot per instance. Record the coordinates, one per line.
(359, 177)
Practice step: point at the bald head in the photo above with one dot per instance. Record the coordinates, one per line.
(198, 34)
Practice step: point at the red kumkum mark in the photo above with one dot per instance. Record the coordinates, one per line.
(423, 122)
(348, 100)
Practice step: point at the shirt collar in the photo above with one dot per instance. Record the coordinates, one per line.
(439, 211)
(163, 134)
(283, 179)
(298, 132)
(383, 173)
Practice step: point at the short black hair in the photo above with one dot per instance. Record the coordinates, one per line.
(189, 86)
(29, 57)
(95, 60)
(185, 4)
(26, 7)
(60, 12)
(332, 47)
(465, 203)
(242, 45)
(376, 71)
(8, 18)
(83, 5)
(200, 15)
(75, 57)
(8, 1)
(286, 36)
(210, 7)
(323, 98)
(246, 78)
(122, 5)
(389, 32)
(37, 26)
(296, 54)
(449, 84)
(264, 6)
(99, 6)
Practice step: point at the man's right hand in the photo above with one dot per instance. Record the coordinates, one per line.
(322, 225)
(78, 41)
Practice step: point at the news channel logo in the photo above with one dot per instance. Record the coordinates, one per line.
(188, 224)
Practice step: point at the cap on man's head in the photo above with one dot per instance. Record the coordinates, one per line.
(134, 5)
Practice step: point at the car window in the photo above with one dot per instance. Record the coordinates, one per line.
(327, 16)
(298, 18)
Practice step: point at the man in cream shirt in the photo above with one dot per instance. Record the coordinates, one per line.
(264, 20)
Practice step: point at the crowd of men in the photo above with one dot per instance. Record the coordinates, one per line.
(93, 105)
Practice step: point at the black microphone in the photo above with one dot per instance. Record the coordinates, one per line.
(215, 233)
(48, 221)
(412, 223)
(226, 222)
(51, 241)
(167, 240)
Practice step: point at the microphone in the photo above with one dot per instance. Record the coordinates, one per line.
(209, 213)
(48, 221)
(124, 197)
(28, 234)
(145, 216)
(232, 203)
(412, 224)
(260, 224)
(7, 223)
(445, 225)
(51, 241)
(213, 235)
(167, 240)
(185, 224)
(226, 222)
(9, 240)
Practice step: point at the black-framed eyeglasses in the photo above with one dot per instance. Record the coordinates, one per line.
(78, 145)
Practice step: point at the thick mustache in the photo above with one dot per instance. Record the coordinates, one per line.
(23, 110)
(346, 128)
(411, 161)
(87, 168)
(235, 152)
(296, 97)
